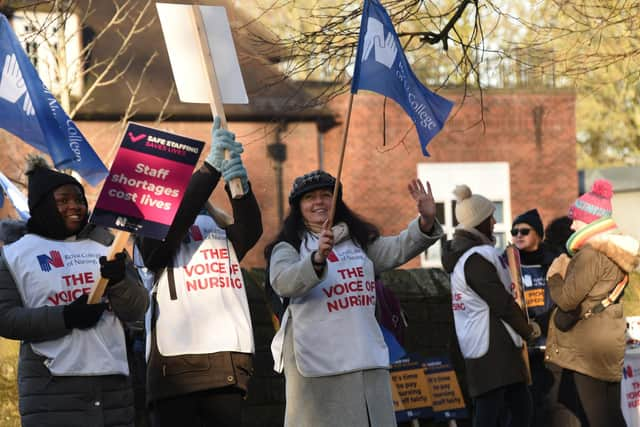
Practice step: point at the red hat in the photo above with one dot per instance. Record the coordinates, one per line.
(593, 205)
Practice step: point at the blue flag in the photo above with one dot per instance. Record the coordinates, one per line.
(396, 351)
(382, 67)
(29, 111)
(18, 200)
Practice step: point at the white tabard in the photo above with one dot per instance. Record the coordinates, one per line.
(470, 311)
(52, 272)
(334, 326)
(209, 312)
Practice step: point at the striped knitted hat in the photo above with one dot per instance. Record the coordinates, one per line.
(593, 205)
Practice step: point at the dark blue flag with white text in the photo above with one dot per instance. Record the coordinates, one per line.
(382, 67)
(29, 111)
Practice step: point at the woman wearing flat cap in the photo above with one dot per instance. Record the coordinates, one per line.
(330, 346)
(73, 368)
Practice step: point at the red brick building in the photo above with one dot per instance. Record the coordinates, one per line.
(538, 163)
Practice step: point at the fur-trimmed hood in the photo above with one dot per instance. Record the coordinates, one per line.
(622, 249)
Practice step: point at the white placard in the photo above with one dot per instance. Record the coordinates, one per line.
(181, 37)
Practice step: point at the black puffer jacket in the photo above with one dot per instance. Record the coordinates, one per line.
(69, 401)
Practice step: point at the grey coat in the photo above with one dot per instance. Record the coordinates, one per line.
(47, 400)
(355, 399)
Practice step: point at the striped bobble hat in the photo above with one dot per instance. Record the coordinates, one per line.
(593, 205)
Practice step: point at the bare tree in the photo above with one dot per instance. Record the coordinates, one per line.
(67, 39)
(589, 45)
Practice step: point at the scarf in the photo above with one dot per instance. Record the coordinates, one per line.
(604, 225)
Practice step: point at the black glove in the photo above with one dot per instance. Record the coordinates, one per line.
(113, 270)
(81, 315)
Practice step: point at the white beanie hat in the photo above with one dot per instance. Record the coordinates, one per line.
(471, 210)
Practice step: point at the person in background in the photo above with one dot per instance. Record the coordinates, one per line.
(199, 335)
(553, 412)
(331, 348)
(535, 258)
(489, 324)
(557, 233)
(586, 337)
(72, 368)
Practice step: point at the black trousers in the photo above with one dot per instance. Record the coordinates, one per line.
(505, 406)
(584, 400)
(210, 408)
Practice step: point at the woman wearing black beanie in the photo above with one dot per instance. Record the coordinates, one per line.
(73, 368)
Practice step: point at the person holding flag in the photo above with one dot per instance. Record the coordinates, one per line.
(330, 346)
(73, 368)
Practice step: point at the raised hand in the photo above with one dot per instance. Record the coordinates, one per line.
(11, 84)
(232, 169)
(221, 140)
(375, 31)
(386, 54)
(425, 203)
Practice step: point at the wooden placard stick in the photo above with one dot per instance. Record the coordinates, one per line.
(119, 242)
(513, 258)
(215, 98)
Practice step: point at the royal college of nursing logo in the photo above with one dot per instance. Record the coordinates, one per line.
(54, 259)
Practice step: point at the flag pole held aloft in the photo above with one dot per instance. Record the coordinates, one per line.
(382, 67)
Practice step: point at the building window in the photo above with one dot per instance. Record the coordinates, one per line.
(38, 33)
(490, 179)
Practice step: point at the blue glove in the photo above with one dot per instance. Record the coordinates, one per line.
(221, 140)
(233, 168)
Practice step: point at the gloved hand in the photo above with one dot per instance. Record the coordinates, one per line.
(221, 140)
(536, 332)
(558, 266)
(80, 315)
(233, 168)
(113, 270)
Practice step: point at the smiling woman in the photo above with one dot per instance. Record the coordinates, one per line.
(330, 343)
(67, 347)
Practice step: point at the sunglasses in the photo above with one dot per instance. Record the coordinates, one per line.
(522, 231)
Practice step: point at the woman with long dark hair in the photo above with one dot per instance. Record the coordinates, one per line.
(330, 346)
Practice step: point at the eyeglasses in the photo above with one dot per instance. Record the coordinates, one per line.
(522, 231)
